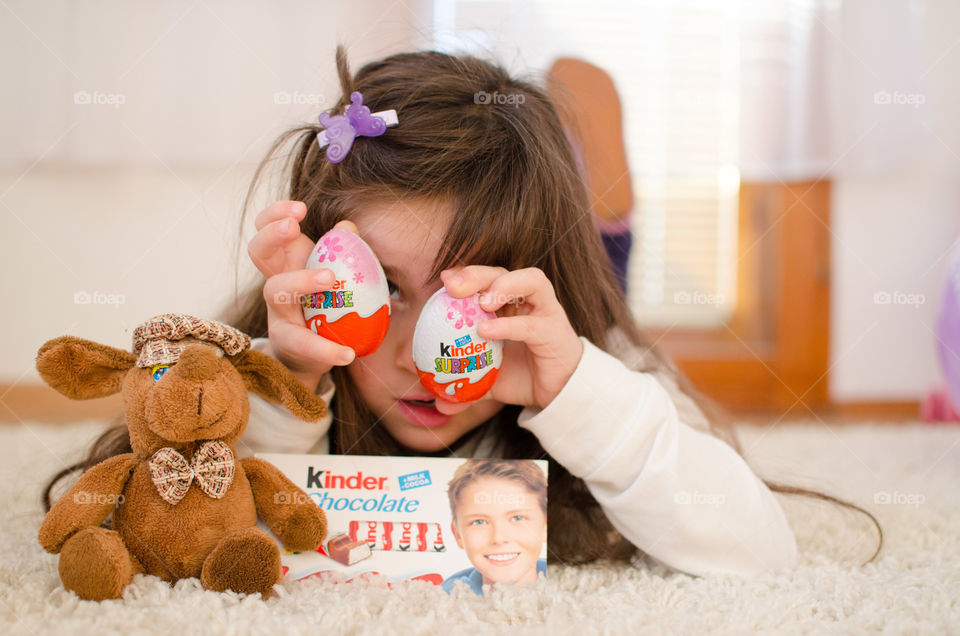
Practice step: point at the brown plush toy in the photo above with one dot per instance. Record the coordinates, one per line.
(182, 505)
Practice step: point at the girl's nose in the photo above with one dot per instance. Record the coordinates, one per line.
(403, 349)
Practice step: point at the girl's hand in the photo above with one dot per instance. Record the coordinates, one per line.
(280, 251)
(542, 349)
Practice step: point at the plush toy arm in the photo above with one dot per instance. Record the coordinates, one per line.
(289, 513)
(88, 502)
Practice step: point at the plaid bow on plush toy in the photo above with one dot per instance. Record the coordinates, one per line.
(212, 467)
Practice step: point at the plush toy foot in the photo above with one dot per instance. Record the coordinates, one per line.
(96, 565)
(247, 561)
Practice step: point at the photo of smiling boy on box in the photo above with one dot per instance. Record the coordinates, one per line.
(499, 517)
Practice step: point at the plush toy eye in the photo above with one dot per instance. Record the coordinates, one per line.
(159, 370)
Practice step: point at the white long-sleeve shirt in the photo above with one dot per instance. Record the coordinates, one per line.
(679, 494)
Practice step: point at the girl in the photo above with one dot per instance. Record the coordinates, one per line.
(483, 195)
(498, 512)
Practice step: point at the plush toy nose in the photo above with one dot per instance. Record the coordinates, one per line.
(197, 362)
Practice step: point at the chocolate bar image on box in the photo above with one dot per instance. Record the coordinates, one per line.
(345, 550)
(405, 536)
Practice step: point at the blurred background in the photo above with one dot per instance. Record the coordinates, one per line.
(791, 170)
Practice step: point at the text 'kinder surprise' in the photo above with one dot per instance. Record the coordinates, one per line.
(453, 361)
(386, 515)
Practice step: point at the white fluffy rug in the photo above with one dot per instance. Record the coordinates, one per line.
(913, 587)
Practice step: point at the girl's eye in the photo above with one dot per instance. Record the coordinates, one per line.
(519, 517)
(159, 371)
(477, 522)
(394, 290)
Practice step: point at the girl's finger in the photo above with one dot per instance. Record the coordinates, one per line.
(451, 408)
(278, 247)
(279, 210)
(528, 286)
(283, 291)
(309, 346)
(544, 337)
(464, 281)
(499, 287)
(519, 328)
(347, 225)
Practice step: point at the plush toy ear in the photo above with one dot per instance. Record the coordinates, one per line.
(272, 381)
(81, 369)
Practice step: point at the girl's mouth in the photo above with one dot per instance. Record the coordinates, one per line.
(422, 412)
(507, 558)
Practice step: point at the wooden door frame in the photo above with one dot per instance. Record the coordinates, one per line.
(773, 353)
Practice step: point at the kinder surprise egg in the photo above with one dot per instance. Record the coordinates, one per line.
(453, 361)
(356, 312)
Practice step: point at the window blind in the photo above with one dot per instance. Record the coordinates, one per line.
(676, 68)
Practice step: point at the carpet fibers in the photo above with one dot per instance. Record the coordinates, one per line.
(908, 475)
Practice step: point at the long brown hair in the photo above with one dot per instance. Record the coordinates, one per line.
(493, 145)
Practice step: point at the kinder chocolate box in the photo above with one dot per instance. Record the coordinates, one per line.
(448, 521)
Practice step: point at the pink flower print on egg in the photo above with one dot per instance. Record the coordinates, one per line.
(328, 248)
(459, 312)
(350, 259)
(358, 277)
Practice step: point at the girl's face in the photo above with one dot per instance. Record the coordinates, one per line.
(502, 529)
(406, 236)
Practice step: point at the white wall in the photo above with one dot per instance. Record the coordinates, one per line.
(135, 206)
(893, 229)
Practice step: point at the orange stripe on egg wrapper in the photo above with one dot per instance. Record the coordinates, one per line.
(363, 335)
(464, 391)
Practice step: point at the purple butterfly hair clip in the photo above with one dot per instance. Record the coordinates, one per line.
(341, 130)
